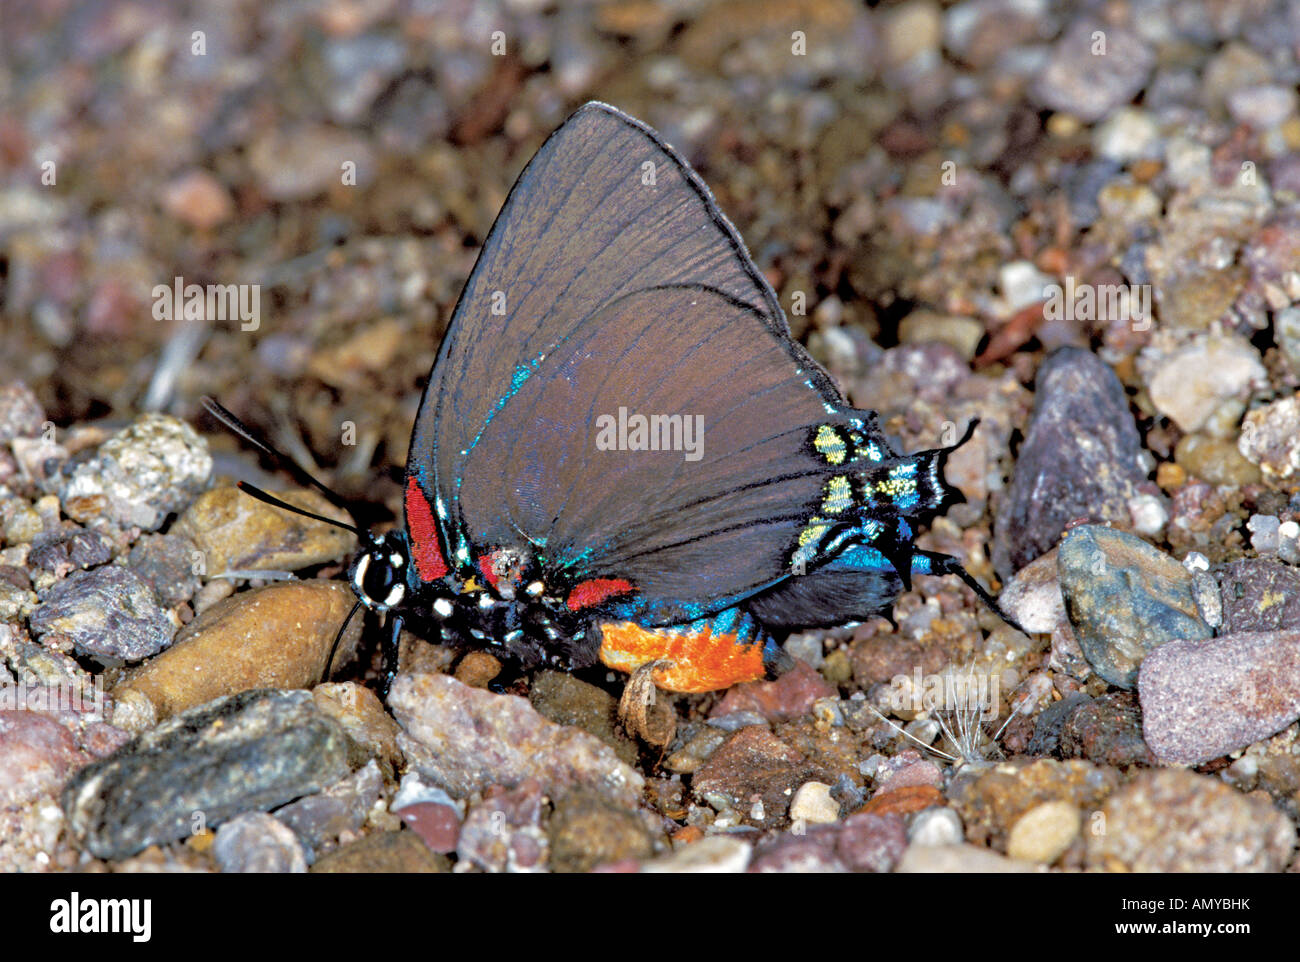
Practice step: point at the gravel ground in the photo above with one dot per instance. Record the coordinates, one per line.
(1079, 222)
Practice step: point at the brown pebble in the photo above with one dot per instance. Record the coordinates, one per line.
(273, 637)
(477, 668)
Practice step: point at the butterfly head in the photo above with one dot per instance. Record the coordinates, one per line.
(378, 575)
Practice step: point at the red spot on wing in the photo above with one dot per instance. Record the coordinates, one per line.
(422, 532)
(593, 592)
(487, 568)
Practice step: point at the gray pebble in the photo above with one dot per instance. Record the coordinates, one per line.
(109, 613)
(256, 842)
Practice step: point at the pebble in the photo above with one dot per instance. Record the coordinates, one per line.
(1216, 460)
(1262, 107)
(1091, 85)
(1270, 438)
(166, 563)
(251, 751)
(21, 414)
(1056, 478)
(69, 548)
(362, 715)
(437, 824)
(813, 803)
(1124, 598)
(1190, 384)
(504, 832)
(466, 739)
(273, 637)
(789, 697)
(383, 852)
(1204, 699)
(1033, 596)
(297, 163)
(754, 764)
(198, 200)
(566, 700)
(1106, 730)
(806, 853)
(235, 532)
(714, 854)
(37, 755)
(1044, 832)
(109, 613)
(695, 750)
(963, 334)
(1259, 594)
(140, 475)
(1126, 135)
(1171, 820)
(257, 842)
(587, 832)
(992, 800)
(1286, 329)
(318, 820)
(871, 842)
(936, 826)
(959, 859)
(1022, 284)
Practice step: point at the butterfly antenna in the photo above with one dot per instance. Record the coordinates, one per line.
(241, 430)
(329, 662)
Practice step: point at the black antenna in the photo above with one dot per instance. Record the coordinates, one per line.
(329, 662)
(239, 428)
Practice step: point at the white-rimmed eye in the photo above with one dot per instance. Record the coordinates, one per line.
(443, 608)
(359, 577)
(394, 596)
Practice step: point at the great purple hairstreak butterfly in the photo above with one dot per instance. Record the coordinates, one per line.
(613, 307)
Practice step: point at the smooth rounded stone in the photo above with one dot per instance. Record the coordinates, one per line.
(1088, 81)
(1259, 594)
(1191, 383)
(910, 30)
(871, 842)
(1270, 438)
(959, 859)
(235, 532)
(566, 700)
(252, 751)
(1262, 107)
(1057, 477)
(197, 199)
(1174, 820)
(714, 854)
(477, 669)
(140, 475)
(298, 163)
(37, 754)
(1216, 460)
(813, 803)
(1265, 533)
(387, 852)
(467, 739)
(1022, 284)
(805, 853)
(695, 750)
(935, 826)
(21, 414)
(789, 697)
(273, 637)
(1044, 832)
(504, 832)
(1033, 596)
(67, 549)
(587, 832)
(166, 563)
(1204, 699)
(257, 842)
(1124, 598)
(362, 715)
(963, 334)
(343, 807)
(1128, 134)
(437, 824)
(1286, 330)
(109, 613)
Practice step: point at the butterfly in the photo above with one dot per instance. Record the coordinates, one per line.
(622, 455)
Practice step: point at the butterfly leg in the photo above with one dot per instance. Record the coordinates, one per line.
(703, 655)
(391, 646)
